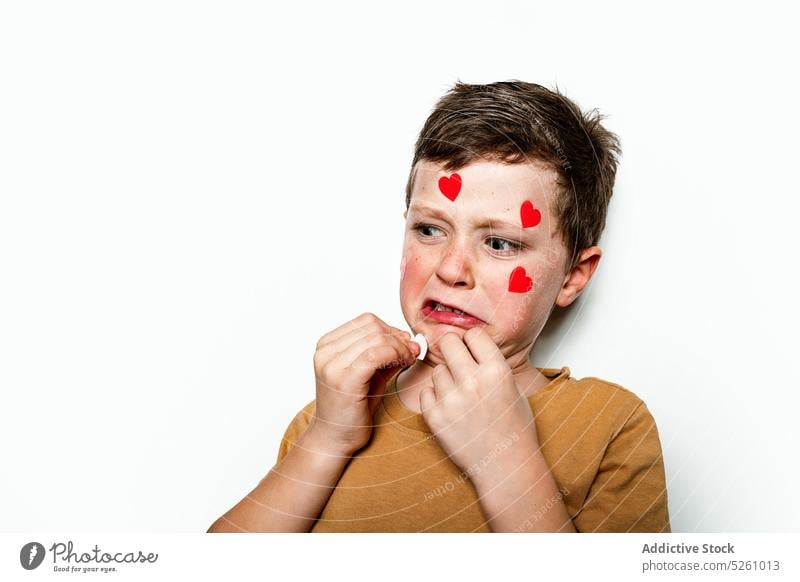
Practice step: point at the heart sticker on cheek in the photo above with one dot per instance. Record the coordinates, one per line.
(519, 282)
(451, 186)
(530, 216)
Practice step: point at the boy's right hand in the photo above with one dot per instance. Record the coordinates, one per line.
(352, 364)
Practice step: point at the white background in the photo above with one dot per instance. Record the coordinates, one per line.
(192, 193)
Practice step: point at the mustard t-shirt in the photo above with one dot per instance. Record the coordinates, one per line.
(599, 439)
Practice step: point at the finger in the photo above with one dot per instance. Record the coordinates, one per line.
(482, 347)
(374, 358)
(459, 361)
(365, 319)
(427, 399)
(443, 382)
(346, 341)
(360, 321)
(380, 338)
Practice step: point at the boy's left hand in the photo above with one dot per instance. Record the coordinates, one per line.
(475, 408)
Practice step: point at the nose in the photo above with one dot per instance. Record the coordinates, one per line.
(455, 268)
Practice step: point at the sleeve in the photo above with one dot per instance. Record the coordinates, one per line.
(629, 493)
(296, 427)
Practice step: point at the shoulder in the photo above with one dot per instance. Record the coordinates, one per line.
(617, 396)
(594, 402)
(628, 423)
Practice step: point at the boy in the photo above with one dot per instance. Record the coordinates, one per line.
(505, 203)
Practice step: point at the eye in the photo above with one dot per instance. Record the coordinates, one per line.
(426, 230)
(503, 246)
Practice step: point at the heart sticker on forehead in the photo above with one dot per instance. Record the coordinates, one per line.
(451, 186)
(519, 282)
(529, 215)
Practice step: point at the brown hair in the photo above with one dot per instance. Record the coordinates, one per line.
(518, 122)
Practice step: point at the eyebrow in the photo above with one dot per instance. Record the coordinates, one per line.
(481, 223)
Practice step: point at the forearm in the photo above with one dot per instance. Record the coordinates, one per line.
(522, 496)
(293, 494)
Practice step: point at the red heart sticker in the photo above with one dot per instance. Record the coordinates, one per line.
(451, 186)
(519, 282)
(529, 215)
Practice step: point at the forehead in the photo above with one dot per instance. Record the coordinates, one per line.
(487, 188)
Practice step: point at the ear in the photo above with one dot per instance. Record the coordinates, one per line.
(579, 276)
(405, 215)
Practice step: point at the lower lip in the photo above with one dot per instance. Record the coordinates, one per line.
(450, 317)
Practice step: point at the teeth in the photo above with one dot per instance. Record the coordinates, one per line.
(440, 307)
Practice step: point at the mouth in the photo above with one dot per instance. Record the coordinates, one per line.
(440, 312)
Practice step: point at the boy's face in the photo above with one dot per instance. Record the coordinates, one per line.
(467, 246)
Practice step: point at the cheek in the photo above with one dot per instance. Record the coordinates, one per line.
(415, 270)
(516, 293)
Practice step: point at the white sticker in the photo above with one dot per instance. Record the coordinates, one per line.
(423, 345)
